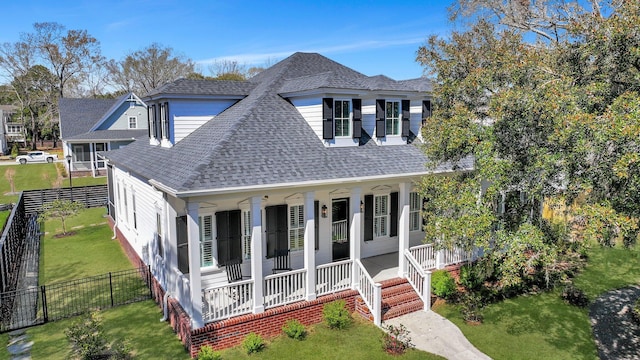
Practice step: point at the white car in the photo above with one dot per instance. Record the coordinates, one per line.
(36, 156)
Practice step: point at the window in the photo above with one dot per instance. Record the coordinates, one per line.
(341, 117)
(133, 205)
(133, 122)
(246, 234)
(296, 227)
(414, 211)
(126, 206)
(205, 223)
(381, 216)
(392, 117)
(159, 234)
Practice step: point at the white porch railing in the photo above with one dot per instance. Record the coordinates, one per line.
(333, 277)
(425, 255)
(419, 279)
(284, 288)
(340, 231)
(370, 291)
(222, 302)
(429, 258)
(456, 255)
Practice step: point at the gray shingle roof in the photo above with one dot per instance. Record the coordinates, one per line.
(112, 135)
(203, 87)
(78, 116)
(263, 140)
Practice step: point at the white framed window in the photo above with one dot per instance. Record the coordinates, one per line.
(380, 215)
(126, 206)
(296, 227)
(159, 246)
(414, 211)
(392, 117)
(133, 122)
(342, 118)
(205, 224)
(133, 209)
(246, 234)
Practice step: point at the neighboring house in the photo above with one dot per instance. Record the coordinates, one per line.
(89, 126)
(309, 167)
(10, 131)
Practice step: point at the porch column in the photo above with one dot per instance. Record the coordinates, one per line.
(257, 255)
(355, 231)
(194, 264)
(310, 244)
(403, 227)
(92, 152)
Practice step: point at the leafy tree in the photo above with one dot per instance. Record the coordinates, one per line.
(61, 209)
(541, 120)
(148, 68)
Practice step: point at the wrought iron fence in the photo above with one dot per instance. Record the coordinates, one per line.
(38, 305)
(12, 245)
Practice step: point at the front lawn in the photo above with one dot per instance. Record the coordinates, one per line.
(544, 327)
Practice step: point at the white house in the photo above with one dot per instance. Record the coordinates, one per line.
(88, 126)
(309, 160)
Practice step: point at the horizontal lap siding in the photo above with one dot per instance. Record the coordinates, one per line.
(311, 111)
(185, 125)
(194, 109)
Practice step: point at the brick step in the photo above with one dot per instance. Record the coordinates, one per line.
(396, 290)
(393, 282)
(402, 309)
(399, 299)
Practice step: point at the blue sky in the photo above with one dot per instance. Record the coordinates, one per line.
(373, 37)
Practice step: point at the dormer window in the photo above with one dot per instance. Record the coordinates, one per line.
(392, 117)
(341, 118)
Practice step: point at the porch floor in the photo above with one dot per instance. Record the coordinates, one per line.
(382, 267)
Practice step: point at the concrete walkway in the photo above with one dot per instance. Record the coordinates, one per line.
(435, 334)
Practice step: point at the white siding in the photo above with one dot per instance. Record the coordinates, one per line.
(188, 115)
(185, 125)
(311, 111)
(369, 116)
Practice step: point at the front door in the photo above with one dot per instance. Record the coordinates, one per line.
(340, 229)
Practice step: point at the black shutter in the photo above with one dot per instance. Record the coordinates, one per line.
(166, 121)
(316, 221)
(276, 229)
(380, 126)
(228, 236)
(393, 214)
(357, 118)
(183, 244)
(149, 121)
(327, 118)
(156, 121)
(424, 206)
(406, 115)
(368, 217)
(426, 111)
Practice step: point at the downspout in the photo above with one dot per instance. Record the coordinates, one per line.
(165, 306)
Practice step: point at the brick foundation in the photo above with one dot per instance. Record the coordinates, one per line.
(230, 332)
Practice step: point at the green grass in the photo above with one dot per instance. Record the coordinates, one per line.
(544, 327)
(360, 341)
(89, 251)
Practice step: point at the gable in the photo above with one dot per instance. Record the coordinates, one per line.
(119, 118)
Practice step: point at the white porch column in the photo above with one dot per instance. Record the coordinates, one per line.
(194, 264)
(355, 238)
(257, 255)
(310, 244)
(403, 227)
(92, 153)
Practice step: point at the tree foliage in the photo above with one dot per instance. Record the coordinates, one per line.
(146, 69)
(61, 209)
(557, 118)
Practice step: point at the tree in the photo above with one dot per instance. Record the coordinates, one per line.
(550, 119)
(61, 209)
(10, 175)
(148, 68)
(70, 56)
(228, 70)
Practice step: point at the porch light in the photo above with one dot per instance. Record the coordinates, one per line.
(324, 211)
(361, 206)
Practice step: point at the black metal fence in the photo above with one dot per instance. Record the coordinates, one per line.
(38, 305)
(12, 245)
(90, 196)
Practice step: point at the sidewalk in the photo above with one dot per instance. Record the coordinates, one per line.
(435, 334)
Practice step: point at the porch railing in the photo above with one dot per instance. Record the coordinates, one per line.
(456, 255)
(222, 302)
(429, 258)
(370, 291)
(284, 288)
(340, 231)
(419, 278)
(333, 277)
(425, 255)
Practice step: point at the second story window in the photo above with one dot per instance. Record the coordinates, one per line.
(133, 122)
(392, 117)
(342, 121)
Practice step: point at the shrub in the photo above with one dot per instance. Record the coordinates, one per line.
(635, 311)
(294, 329)
(574, 296)
(14, 150)
(253, 343)
(469, 277)
(396, 339)
(471, 305)
(336, 314)
(206, 353)
(442, 284)
(88, 341)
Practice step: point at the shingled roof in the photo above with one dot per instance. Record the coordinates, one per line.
(264, 141)
(78, 116)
